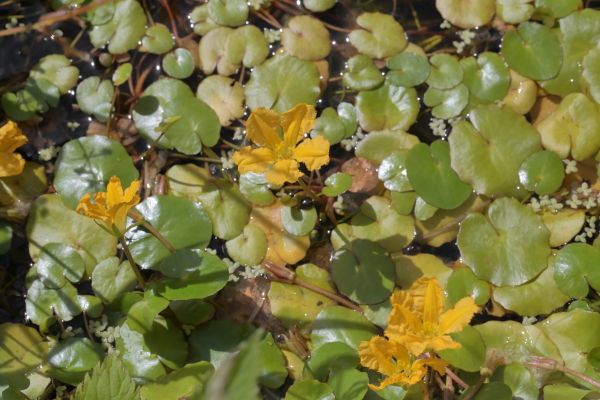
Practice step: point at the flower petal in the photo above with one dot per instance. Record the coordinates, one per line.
(131, 193)
(437, 364)
(11, 164)
(296, 122)
(114, 192)
(434, 303)
(283, 171)
(455, 319)
(95, 210)
(11, 137)
(314, 153)
(442, 342)
(253, 160)
(262, 128)
(402, 322)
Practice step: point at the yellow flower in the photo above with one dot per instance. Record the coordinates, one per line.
(281, 152)
(11, 138)
(393, 360)
(111, 207)
(418, 320)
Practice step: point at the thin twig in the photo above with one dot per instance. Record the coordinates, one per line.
(456, 379)
(134, 267)
(553, 365)
(137, 217)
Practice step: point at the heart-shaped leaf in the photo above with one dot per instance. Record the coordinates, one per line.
(382, 36)
(542, 172)
(95, 97)
(408, 69)
(362, 74)
(389, 107)
(121, 25)
(306, 37)
(574, 269)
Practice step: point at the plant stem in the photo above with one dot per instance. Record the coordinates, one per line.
(137, 217)
(553, 365)
(456, 379)
(135, 269)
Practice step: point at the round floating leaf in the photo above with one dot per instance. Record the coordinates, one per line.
(167, 341)
(447, 103)
(22, 351)
(563, 225)
(310, 389)
(181, 221)
(463, 283)
(228, 12)
(470, 356)
(122, 74)
(331, 356)
(494, 391)
(58, 263)
(201, 21)
(377, 146)
(411, 268)
(520, 379)
(467, 14)
(403, 202)
(294, 305)
(283, 82)
(363, 271)
(445, 73)
(349, 384)
(487, 77)
(249, 248)
(198, 275)
(429, 172)
(74, 357)
(56, 69)
(538, 297)
(179, 63)
(389, 107)
(522, 94)
(379, 222)
(337, 184)
(212, 52)
(95, 97)
(216, 339)
(408, 69)
(192, 312)
(574, 269)
(533, 50)
(169, 115)
(306, 38)
(51, 222)
(488, 152)
(591, 66)
(112, 278)
(298, 221)
(362, 74)
(573, 128)
(20, 106)
(121, 27)
(392, 172)
(318, 5)
(247, 45)
(423, 210)
(557, 8)
(134, 352)
(560, 391)
(515, 11)
(224, 95)
(85, 165)
(381, 37)
(331, 126)
(340, 324)
(542, 172)
(187, 382)
(141, 315)
(158, 39)
(43, 305)
(508, 247)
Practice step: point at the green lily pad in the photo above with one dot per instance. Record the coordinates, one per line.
(43, 304)
(515, 11)
(249, 248)
(381, 37)
(294, 305)
(179, 63)
(519, 378)
(50, 221)
(538, 297)
(56, 69)
(363, 272)
(182, 222)
(112, 278)
(574, 269)
(470, 356)
(466, 14)
(58, 263)
(169, 115)
(591, 64)
(448, 103)
(423, 210)
(573, 128)
(22, 351)
(487, 77)
(200, 20)
(429, 172)
(247, 45)
(228, 12)
(389, 107)
(379, 222)
(362, 74)
(22, 105)
(166, 340)
(522, 94)
(336, 126)
(85, 165)
(331, 356)
(340, 324)
(282, 82)
(95, 97)
(463, 283)
(542, 172)
(533, 50)
(71, 358)
(392, 172)
(298, 221)
(557, 8)
(121, 74)
(187, 382)
(508, 247)
(212, 52)
(337, 184)
(157, 40)
(403, 202)
(349, 384)
(133, 350)
(318, 5)
(411, 268)
(193, 275)
(446, 72)
(408, 69)
(379, 145)
(560, 391)
(192, 312)
(310, 389)
(487, 157)
(224, 95)
(141, 315)
(122, 26)
(255, 188)
(306, 37)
